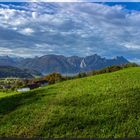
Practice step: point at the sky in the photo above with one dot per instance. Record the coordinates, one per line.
(109, 29)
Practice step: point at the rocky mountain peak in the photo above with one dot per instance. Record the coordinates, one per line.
(58, 63)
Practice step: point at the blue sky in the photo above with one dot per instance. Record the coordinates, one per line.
(127, 5)
(36, 29)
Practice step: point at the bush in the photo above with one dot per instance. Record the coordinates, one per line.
(130, 65)
(82, 74)
(111, 69)
(54, 78)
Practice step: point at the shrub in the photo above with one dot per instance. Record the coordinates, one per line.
(54, 78)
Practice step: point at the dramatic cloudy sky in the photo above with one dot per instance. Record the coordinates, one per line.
(35, 29)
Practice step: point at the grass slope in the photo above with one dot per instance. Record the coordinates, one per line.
(106, 105)
(7, 94)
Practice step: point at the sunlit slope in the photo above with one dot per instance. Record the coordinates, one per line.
(106, 105)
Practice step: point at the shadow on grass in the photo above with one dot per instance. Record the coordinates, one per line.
(108, 118)
(10, 103)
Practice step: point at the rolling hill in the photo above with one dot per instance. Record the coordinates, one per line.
(105, 105)
(9, 71)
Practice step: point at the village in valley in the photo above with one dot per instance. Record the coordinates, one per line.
(21, 85)
(26, 84)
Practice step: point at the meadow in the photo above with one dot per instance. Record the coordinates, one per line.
(101, 106)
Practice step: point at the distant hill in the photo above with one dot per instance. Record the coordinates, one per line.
(33, 72)
(7, 61)
(9, 71)
(58, 63)
(102, 106)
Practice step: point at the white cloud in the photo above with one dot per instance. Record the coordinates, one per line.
(132, 46)
(135, 60)
(5, 50)
(72, 29)
(27, 31)
(34, 15)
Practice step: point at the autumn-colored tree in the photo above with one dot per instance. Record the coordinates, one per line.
(54, 78)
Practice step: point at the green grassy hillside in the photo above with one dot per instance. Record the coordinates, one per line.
(106, 105)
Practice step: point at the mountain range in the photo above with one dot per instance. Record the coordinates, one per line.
(58, 63)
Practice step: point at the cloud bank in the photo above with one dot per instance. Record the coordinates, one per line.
(35, 29)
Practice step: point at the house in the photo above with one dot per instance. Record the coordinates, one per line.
(24, 89)
(6, 86)
(28, 88)
(33, 86)
(43, 83)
